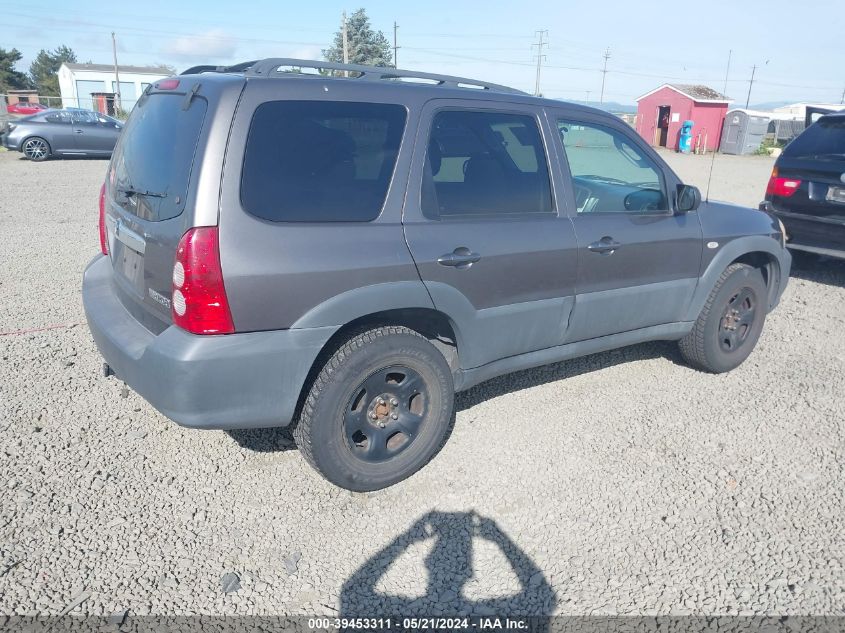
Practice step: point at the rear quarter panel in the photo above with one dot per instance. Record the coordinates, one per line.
(298, 274)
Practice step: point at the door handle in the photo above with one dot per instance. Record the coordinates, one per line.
(77, 131)
(605, 246)
(461, 258)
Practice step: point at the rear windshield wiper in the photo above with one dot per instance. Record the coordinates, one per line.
(129, 191)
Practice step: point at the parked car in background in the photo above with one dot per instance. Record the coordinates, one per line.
(346, 253)
(22, 107)
(68, 132)
(807, 188)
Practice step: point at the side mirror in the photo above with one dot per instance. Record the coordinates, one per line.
(689, 198)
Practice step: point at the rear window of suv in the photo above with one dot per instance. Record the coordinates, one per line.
(155, 155)
(824, 139)
(320, 161)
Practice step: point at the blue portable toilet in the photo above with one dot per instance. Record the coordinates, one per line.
(685, 137)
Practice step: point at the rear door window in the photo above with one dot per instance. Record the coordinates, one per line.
(320, 161)
(485, 163)
(155, 155)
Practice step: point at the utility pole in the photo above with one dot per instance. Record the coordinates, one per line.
(540, 57)
(604, 72)
(116, 75)
(345, 44)
(587, 100)
(842, 99)
(395, 46)
(750, 83)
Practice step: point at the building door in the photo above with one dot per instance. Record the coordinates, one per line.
(663, 117)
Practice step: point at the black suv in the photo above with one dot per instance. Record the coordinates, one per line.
(344, 251)
(807, 188)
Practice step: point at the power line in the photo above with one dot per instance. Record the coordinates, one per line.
(157, 33)
(604, 72)
(750, 83)
(540, 57)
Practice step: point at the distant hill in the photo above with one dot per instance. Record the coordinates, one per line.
(607, 106)
(769, 105)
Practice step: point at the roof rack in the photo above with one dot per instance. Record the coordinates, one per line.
(272, 67)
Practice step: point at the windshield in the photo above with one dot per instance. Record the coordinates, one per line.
(824, 139)
(152, 162)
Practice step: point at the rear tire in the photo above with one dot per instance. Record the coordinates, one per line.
(730, 323)
(36, 149)
(379, 410)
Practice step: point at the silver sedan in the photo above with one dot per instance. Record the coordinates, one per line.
(58, 133)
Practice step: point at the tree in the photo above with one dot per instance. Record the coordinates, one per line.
(44, 70)
(365, 46)
(167, 69)
(11, 79)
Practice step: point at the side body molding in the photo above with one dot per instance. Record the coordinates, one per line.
(360, 302)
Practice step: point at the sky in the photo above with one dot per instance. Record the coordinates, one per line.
(798, 47)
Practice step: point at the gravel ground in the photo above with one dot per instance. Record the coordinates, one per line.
(624, 482)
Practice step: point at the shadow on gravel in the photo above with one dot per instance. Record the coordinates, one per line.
(823, 270)
(264, 440)
(281, 439)
(528, 378)
(452, 570)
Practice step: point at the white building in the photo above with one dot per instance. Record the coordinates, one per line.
(77, 82)
(799, 110)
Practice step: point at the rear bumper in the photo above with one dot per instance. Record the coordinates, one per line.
(8, 142)
(820, 235)
(233, 381)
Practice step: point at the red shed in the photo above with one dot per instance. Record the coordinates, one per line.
(661, 112)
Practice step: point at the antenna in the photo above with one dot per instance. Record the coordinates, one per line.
(345, 43)
(396, 47)
(715, 149)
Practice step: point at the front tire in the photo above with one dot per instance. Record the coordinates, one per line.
(730, 322)
(36, 149)
(379, 410)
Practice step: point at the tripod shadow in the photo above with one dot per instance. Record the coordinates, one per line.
(451, 585)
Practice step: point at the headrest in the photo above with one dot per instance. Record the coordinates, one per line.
(435, 156)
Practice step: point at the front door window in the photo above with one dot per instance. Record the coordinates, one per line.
(609, 173)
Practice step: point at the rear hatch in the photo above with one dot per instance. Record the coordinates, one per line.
(147, 194)
(811, 170)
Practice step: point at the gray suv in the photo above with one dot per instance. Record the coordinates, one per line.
(344, 251)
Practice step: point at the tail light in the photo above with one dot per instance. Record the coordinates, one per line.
(104, 246)
(783, 187)
(199, 302)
